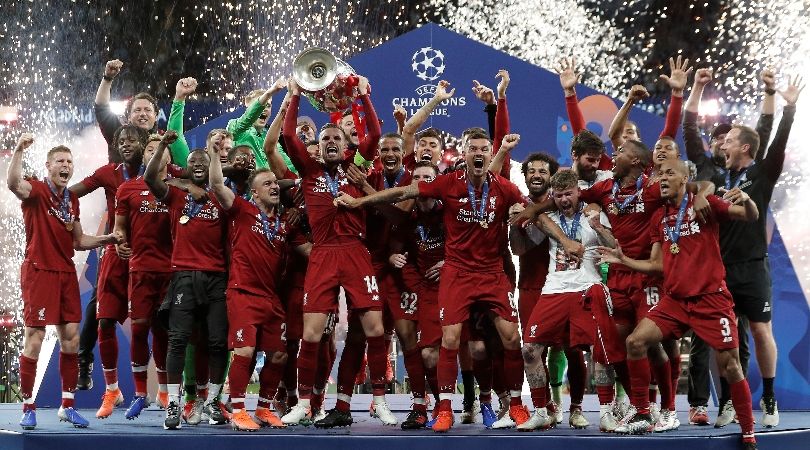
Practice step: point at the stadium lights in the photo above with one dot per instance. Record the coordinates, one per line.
(118, 107)
(709, 108)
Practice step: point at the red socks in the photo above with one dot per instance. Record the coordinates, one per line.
(484, 375)
(447, 371)
(377, 365)
(741, 399)
(239, 375)
(307, 363)
(432, 380)
(662, 374)
(69, 372)
(28, 376)
(108, 349)
(539, 397)
(416, 372)
(639, 381)
(513, 368)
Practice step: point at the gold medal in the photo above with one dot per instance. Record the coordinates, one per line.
(483, 224)
(613, 209)
(674, 248)
(184, 219)
(69, 226)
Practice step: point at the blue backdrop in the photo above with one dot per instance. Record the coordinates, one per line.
(405, 71)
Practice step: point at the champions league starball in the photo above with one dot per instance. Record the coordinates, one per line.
(428, 63)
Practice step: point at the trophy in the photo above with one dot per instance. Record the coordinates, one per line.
(328, 83)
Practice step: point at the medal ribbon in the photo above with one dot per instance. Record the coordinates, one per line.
(675, 233)
(125, 172)
(193, 207)
(397, 179)
(739, 177)
(571, 232)
(628, 200)
(232, 185)
(333, 184)
(64, 202)
(268, 233)
(481, 212)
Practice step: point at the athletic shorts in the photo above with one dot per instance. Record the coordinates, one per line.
(527, 299)
(608, 345)
(113, 281)
(293, 299)
(49, 298)
(627, 295)
(403, 293)
(460, 290)
(750, 286)
(562, 319)
(429, 328)
(710, 316)
(146, 292)
(255, 321)
(331, 267)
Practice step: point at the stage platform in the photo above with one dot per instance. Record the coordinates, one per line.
(146, 433)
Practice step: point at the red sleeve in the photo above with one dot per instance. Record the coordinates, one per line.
(436, 188)
(94, 181)
(673, 117)
(290, 175)
(175, 171)
(121, 203)
(237, 206)
(368, 146)
(719, 208)
(501, 130)
(74, 200)
(174, 196)
(296, 238)
(605, 162)
(38, 189)
(652, 194)
(597, 192)
(574, 114)
(295, 148)
(656, 230)
(409, 161)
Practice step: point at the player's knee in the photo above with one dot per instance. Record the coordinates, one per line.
(761, 330)
(430, 356)
(531, 353)
(178, 339)
(450, 340)
(69, 344)
(731, 368)
(636, 345)
(478, 350)
(279, 358)
(245, 352)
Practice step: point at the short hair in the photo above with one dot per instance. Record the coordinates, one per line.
(223, 131)
(58, 149)
(641, 151)
(232, 152)
(141, 96)
(393, 136)
(564, 179)
(348, 112)
(141, 134)
(256, 173)
(329, 125)
(427, 164)
(471, 130)
(748, 136)
(431, 133)
(312, 142)
(477, 135)
(199, 151)
(553, 165)
(253, 95)
(586, 141)
(722, 128)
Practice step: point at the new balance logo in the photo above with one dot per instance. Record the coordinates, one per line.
(728, 339)
(239, 335)
(41, 314)
(441, 314)
(375, 298)
(305, 298)
(418, 336)
(532, 331)
(179, 299)
(767, 307)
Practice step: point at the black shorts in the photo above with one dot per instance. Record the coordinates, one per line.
(750, 285)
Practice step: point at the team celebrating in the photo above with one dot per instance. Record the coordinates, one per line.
(248, 244)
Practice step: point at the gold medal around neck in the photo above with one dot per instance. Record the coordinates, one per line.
(674, 248)
(483, 224)
(184, 219)
(69, 226)
(613, 209)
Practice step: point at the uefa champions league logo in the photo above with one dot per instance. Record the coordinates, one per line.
(428, 63)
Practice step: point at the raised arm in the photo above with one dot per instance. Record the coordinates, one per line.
(510, 141)
(368, 146)
(111, 70)
(295, 148)
(637, 93)
(274, 158)
(151, 176)
(652, 266)
(16, 183)
(569, 78)
(775, 159)
(400, 115)
(255, 109)
(765, 122)
(179, 149)
(502, 121)
(679, 74)
(487, 96)
(418, 119)
(691, 134)
(107, 120)
(223, 193)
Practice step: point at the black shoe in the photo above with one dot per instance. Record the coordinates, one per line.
(213, 412)
(334, 419)
(85, 382)
(747, 445)
(415, 420)
(172, 421)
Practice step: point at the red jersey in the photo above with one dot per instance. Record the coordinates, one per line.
(697, 268)
(149, 227)
(109, 177)
(199, 244)
(257, 259)
(377, 226)
(470, 246)
(48, 243)
(629, 224)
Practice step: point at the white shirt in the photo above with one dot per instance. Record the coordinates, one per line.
(568, 276)
(601, 175)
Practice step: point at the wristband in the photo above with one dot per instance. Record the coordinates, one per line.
(770, 91)
(108, 78)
